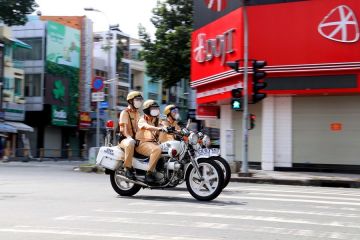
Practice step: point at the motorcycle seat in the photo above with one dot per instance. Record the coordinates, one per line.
(140, 156)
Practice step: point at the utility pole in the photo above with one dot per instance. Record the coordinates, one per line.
(245, 136)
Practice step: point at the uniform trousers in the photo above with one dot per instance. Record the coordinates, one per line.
(152, 150)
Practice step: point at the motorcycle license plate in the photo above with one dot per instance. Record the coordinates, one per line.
(207, 152)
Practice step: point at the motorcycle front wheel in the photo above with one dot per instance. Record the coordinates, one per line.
(122, 187)
(225, 167)
(211, 184)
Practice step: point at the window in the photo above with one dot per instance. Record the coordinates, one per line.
(121, 94)
(35, 53)
(123, 71)
(32, 85)
(18, 87)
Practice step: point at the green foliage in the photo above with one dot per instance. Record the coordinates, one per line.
(168, 56)
(13, 12)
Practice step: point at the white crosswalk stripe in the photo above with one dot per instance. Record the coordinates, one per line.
(282, 212)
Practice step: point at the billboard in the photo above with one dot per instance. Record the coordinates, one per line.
(63, 45)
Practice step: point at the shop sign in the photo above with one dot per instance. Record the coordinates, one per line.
(340, 25)
(63, 45)
(14, 111)
(59, 116)
(216, 5)
(336, 127)
(85, 120)
(219, 47)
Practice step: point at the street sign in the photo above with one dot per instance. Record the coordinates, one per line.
(98, 83)
(97, 96)
(104, 105)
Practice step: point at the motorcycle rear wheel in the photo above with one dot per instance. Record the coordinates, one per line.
(212, 184)
(122, 187)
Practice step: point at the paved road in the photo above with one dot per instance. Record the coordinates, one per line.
(50, 201)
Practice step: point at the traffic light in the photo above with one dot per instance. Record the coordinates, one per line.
(252, 119)
(237, 99)
(258, 81)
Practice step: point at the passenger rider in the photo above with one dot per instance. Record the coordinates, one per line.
(128, 123)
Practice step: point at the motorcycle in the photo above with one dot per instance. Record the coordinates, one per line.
(179, 162)
(205, 143)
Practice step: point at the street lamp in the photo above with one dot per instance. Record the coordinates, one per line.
(109, 45)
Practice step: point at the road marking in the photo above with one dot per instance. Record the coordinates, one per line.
(239, 217)
(341, 193)
(87, 233)
(224, 227)
(304, 196)
(267, 210)
(283, 200)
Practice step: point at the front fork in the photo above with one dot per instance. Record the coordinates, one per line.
(196, 166)
(108, 137)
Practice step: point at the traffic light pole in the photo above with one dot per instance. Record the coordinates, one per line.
(245, 137)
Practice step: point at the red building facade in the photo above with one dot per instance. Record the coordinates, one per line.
(312, 49)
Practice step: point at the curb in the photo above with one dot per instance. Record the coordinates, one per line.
(300, 182)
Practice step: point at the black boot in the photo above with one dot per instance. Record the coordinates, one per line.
(129, 173)
(149, 177)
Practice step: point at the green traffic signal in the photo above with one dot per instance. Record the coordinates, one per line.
(236, 104)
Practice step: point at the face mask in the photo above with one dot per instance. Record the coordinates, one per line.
(155, 112)
(177, 116)
(137, 103)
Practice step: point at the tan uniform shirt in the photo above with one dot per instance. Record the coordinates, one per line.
(133, 116)
(143, 134)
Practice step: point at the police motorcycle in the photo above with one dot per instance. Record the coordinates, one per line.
(179, 162)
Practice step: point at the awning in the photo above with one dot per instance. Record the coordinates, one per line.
(7, 128)
(19, 43)
(20, 126)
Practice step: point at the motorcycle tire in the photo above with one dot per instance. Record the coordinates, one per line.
(131, 190)
(197, 187)
(226, 169)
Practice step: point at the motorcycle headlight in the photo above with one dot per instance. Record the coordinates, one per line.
(206, 141)
(193, 138)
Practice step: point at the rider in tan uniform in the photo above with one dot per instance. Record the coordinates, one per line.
(128, 123)
(148, 136)
(172, 117)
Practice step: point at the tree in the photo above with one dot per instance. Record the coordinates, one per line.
(168, 56)
(13, 12)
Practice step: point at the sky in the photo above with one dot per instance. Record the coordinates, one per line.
(127, 13)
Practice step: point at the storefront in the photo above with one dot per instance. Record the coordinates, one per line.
(311, 117)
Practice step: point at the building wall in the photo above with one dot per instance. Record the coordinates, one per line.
(314, 141)
(34, 28)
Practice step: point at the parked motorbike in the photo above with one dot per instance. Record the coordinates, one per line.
(179, 162)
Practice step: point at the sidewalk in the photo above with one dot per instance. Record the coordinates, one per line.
(301, 178)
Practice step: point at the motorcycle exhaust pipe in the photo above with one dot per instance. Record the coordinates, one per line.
(133, 181)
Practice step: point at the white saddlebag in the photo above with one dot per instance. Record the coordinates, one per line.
(110, 157)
